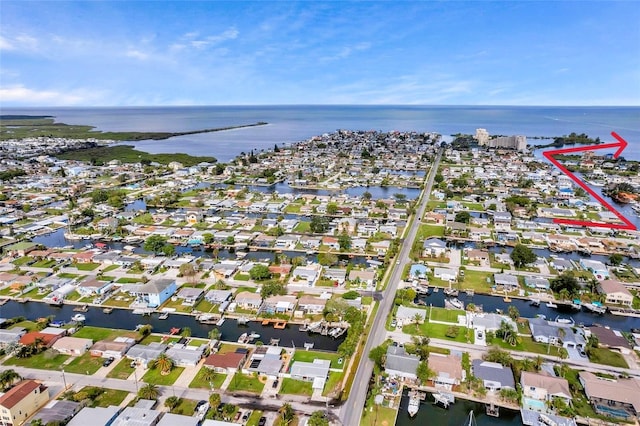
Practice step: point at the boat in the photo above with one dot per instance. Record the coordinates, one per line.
(140, 312)
(243, 338)
(414, 403)
(220, 322)
(535, 302)
(422, 290)
(551, 305)
(78, 318)
(595, 307)
(254, 335)
(546, 420)
(454, 303)
(107, 310)
(205, 318)
(471, 421)
(576, 304)
(83, 308)
(436, 289)
(163, 316)
(57, 324)
(507, 299)
(564, 320)
(492, 410)
(443, 399)
(175, 330)
(242, 320)
(451, 292)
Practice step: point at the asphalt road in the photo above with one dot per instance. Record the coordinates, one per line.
(351, 410)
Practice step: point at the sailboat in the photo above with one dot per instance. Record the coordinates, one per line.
(471, 421)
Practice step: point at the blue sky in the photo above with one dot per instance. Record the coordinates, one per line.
(94, 53)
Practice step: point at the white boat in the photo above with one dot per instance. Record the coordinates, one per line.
(205, 317)
(243, 338)
(535, 302)
(163, 316)
(455, 303)
(551, 305)
(546, 420)
(414, 405)
(471, 421)
(78, 318)
(564, 320)
(443, 399)
(254, 335)
(220, 322)
(595, 307)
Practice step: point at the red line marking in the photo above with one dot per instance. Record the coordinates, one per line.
(621, 145)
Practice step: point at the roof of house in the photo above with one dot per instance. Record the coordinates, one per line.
(608, 337)
(133, 416)
(19, 392)
(507, 279)
(553, 385)
(47, 339)
(154, 286)
(494, 372)
(72, 343)
(434, 243)
(96, 416)
(399, 360)
(317, 368)
(170, 419)
(613, 286)
(622, 390)
(228, 360)
(446, 365)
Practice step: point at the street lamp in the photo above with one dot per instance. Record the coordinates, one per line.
(135, 375)
(64, 380)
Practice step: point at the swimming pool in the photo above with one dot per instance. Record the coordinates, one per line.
(534, 404)
(612, 412)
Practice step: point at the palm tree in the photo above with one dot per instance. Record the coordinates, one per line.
(564, 294)
(8, 378)
(172, 402)
(228, 409)
(215, 334)
(286, 413)
(186, 332)
(149, 391)
(208, 374)
(507, 333)
(215, 400)
(537, 362)
(163, 363)
(513, 312)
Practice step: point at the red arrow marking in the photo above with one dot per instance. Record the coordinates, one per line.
(621, 145)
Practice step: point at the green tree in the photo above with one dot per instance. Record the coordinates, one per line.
(149, 391)
(8, 378)
(272, 289)
(260, 272)
(286, 414)
(186, 332)
(463, 217)
(513, 312)
(214, 401)
(327, 259)
(187, 270)
(172, 402)
(319, 224)
(615, 259)
(215, 334)
(507, 333)
(332, 208)
(423, 372)
(163, 363)
(155, 243)
(345, 242)
(421, 346)
(318, 418)
(379, 354)
(168, 250)
(522, 255)
(566, 281)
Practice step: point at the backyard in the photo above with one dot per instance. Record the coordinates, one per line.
(155, 376)
(243, 382)
(200, 382)
(295, 387)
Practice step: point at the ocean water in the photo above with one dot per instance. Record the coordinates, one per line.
(289, 124)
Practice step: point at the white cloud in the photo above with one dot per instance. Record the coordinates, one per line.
(6, 44)
(194, 40)
(21, 95)
(19, 42)
(347, 51)
(137, 54)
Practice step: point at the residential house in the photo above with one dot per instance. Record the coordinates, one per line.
(445, 274)
(248, 300)
(509, 282)
(494, 376)
(306, 275)
(611, 339)
(75, 346)
(405, 315)
(596, 267)
(137, 416)
(185, 355)
(96, 415)
(381, 247)
(46, 340)
(447, 369)
(227, 363)
(92, 286)
(399, 363)
(190, 295)
(615, 292)
(11, 337)
(279, 304)
(433, 247)
(316, 372)
(143, 354)
(22, 401)
(116, 348)
(266, 360)
(543, 387)
(154, 293)
(335, 274)
(311, 304)
(539, 283)
(367, 277)
(57, 412)
(331, 242)
(612, 397)
(217, 297)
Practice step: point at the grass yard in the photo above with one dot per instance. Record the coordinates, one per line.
(128, 280)
(107, 398)
(86, 266)
(186, 407)
(333, 383)
(379, 416)
(85, 364)
(99, 333)
(122, 370)
(26, 324)
(477, 280)
(155, 376)
(296, 387)
(438, 331)
(46, 360)
(607, 357)
(199, 381)
(309, 356)
(254, 418)
(241, 277)
(445, 315)
(44, 264)
(68, 275)
(248, 383)
(21, 261)
(110, 268)
(225, 348)
(208, 307)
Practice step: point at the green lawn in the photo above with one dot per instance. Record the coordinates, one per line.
(309, 356)
(68, 275)
(379, 416)
(46, 360)
(296, 387)
(186, 407)
(44, 263)
(445, 315)
(477, 280)
(127, 280)
(122, 370)
(85, 364)
(26, 324)
(155, 376)
(21, 261)
(110, 268)
(426, 231)
(200, 382)
(107, 397)
(333, 382)
(254, 418)
(607, 357)
(242, 382)
(86, 266)
(438, 331)
(241, 277)
(99, 333)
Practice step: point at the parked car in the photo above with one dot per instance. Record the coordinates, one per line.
(237, 417)
(262, 421)
(246, 415)
(107, 362)
(201, 405)
(275, 383)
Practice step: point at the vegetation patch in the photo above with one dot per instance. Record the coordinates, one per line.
(296, 387)
(337, 361)
(243, 382)
(85, 364)
(155, 376)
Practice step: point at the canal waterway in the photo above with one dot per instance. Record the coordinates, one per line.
(124, 319)
(456, 415)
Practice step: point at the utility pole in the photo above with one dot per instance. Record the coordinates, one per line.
(64, 381)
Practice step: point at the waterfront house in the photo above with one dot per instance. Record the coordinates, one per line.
(266, 360)
(92, 286)
(248, 300)
(618, 398)
(57, 412)
(190, 295)
(509, 282)
(46, 340)
(306, 275)
(615, 292)
(596, 267)
(227, 363)
(611, 339)
(143, 354)
(433, 247)
(445, 274)
(494, 376)
(405, 315)
(480, 256)
(478, 234)
(367, 277)
(491, 322)
(217, 297)
(83, 257)
(137, 416)
(186, 356)
(398, 363)
(116, 348)
(447, 370)
(316, 372)
(75, 346)
(22, 401)
(336, 274)
(95, 415)
(279, 304)
(539, 283)
(311, 304)
(542, 388)
(154, 293)
(11, 337)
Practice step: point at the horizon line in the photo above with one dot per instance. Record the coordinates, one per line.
(317, 105)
